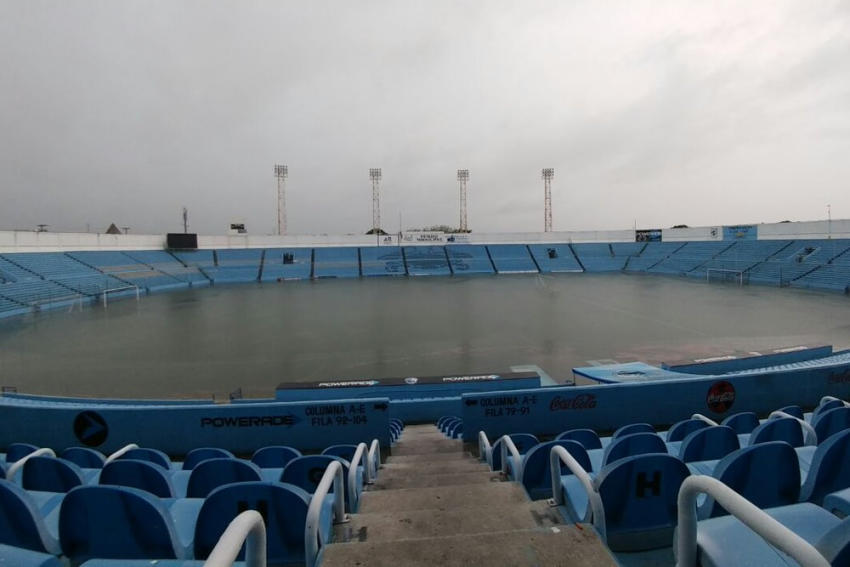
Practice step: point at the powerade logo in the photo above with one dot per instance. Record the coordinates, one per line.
(348, 384)
(250, 421)
(720, 397)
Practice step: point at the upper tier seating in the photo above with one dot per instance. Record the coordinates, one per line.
(236, 265)
(287, 264)
(512, 258)
(599, 257)
(689, 257)
(128, 269)
(650, 255)
(164, 262)
(554, 258)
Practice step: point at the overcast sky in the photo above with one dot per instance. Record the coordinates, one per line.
(655, 113)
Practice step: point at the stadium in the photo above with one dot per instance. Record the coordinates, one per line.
(628, 463)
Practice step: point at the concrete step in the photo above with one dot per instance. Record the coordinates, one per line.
(455, 455)
(395, 479)
(484, 497)
(427, 468)
(563, 546)
(419, 524)
(422, 447)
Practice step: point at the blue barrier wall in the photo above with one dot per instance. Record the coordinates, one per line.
(554, 258)
(299, 264)
(241, 428)
(336, 263)
(512, 259)
(426, 261)
(747, 362)
(381, 261)
(469, 259)
(548, 411)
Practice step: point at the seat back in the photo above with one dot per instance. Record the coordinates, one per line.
(200, 454)
(586, 437)
(778, 429)
(536, 474)
(767, 474)
(523, 441)
(742, 423)
(631, 445)
(834, 545)
(142, 475)
(639, 495)
(455, 429)
(795, 411)
(274, 457)
(150, 455)
(830, 469)
(283, 508)
(21, 524)
(49, 474)
(84, 457)
(681, 429)
(344, 451)
(826, 406)
(632, 428)
(306, 473)
(16, 451)
(831, 421)
(212, 473)
(116, 522)
(708, 444)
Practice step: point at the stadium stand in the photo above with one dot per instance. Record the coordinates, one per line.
(512, 259)
(236, 266)
(599, 257)
(286, 264)
(67, 272)
(689, 257)
(554, 258)
(426, 261)
(381, 261)
(129, 270)
(337, 262)
(796, 260)
(166, 263)
(469, 259)
(650, 255)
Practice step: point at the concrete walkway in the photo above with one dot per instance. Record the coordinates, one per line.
(435, 505)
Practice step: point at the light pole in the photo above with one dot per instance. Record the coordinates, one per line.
(548, 173)
(281, 172)
(375, 176)
(463, 177)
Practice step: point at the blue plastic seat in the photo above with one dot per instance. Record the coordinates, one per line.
(708, 444)
(284, 510)
(523, 441)
(831, 421)
(455, 429)
(84, 457)
(16, 451)
(49, 474)
(22, 522)
(725, 541)
(639, 496)
(18, 557)
(830, 469)
(586, 437)
(306, 473)
(151, 455)
(345, 451)
(778, 429)
(826, 405)
(212, 473)
(116, 522)
(200, 454)
(743, 423)
(536, 474)
(794, 411)
(766, 474)
(631, 429)
(679, 430)
(633, 444)
(274, 457)
(142, 475)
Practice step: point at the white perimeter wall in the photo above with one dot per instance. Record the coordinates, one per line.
(27, 241)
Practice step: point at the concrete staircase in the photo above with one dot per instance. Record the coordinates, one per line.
(434, 505)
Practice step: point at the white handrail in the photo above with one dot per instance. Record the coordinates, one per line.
(374, 461)
(485, 450)
(766, 527)
(120, 453)
(333, 475)
(811, 437)
(701, 417)
(361, 456)
(248, 528)
(17, 465)
(560, 455)
(509, 446)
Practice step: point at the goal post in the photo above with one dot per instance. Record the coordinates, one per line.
(719, 275)
(108, 291)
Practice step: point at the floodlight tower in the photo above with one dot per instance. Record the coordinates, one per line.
(375, 176)
(281, 172)
(547, 174)
(463, 177)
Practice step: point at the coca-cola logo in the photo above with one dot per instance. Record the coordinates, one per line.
(579, 402)
(721, 396)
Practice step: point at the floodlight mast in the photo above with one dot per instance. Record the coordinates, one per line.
(281, 172)
(463, 177)
(375, 176)
(548, 173)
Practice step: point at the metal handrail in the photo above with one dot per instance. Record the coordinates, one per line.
(811, 437)
(361, 456)
(17, 465)
(333, 475)
(745, 511)
(374, 461)
(508, 446)
(485, 450)
(560, 455)
(701, 417)
(120, 452)
(248, 528)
